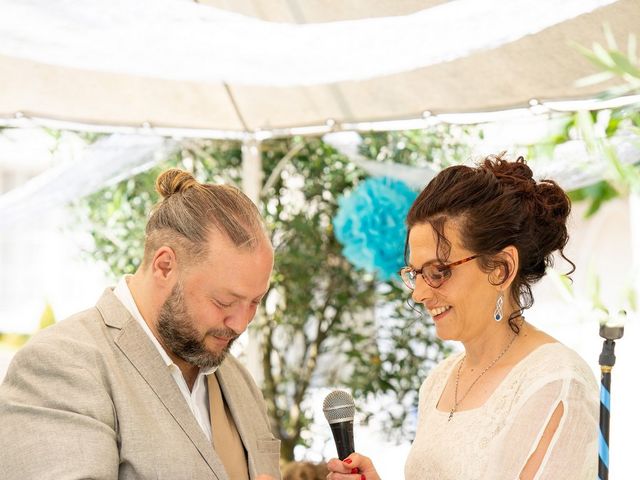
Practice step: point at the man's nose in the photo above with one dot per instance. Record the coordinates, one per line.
(240, 319)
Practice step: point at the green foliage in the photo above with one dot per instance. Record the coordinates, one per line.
(117, 217)
(613, 63)
(440, 147)
(315, 292)
(622, 177)
(596, 194)
(392, 369)
(596, 128)
(117, 214)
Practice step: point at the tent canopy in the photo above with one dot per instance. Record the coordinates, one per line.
(252, 65)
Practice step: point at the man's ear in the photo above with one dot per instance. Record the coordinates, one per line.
(164, 266)
(504, 277)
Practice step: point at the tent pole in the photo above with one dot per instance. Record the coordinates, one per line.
(252, 174)
(252, 178)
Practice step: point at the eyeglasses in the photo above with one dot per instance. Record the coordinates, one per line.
(434, 274)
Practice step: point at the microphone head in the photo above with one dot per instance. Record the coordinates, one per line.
(338, 407)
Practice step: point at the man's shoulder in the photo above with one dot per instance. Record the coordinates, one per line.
(79, 337)
(87, 327)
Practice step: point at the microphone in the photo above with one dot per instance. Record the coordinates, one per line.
(339, 409)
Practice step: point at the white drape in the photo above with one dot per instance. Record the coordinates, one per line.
(179, 40)
(108, 160)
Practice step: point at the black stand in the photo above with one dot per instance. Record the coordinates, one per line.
(607, 361)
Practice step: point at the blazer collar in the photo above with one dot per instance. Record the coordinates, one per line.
(136, 346)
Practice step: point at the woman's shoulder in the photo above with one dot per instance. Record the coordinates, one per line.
(553, 361)
(554, 353)
(550, 368)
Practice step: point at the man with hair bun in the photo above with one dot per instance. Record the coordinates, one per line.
(143, 385)
(515, 403)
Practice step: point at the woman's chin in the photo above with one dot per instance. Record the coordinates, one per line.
(444, 333)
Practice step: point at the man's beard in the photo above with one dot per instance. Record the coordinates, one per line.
(178, 333)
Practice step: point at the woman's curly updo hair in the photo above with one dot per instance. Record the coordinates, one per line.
(495, 205)
(189, 210)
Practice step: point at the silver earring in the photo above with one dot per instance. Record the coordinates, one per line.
(497, 314)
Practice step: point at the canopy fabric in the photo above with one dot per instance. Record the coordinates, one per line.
(316, 11)
(178, 64)
(132, 38)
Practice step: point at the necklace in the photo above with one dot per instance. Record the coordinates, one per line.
(455, 397)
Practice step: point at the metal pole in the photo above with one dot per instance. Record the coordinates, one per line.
(252, 174)
(252, 177)
(607, 361)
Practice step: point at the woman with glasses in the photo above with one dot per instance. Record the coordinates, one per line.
(515, 403)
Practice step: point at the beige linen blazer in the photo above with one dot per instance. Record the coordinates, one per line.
(90, 397)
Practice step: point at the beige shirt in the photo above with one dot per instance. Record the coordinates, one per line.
(198, 397)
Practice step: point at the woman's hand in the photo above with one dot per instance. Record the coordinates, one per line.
(354, 467)
(265, 477)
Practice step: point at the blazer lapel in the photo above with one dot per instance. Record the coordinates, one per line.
(140, 351)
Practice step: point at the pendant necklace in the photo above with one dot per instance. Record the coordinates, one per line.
(455, 397)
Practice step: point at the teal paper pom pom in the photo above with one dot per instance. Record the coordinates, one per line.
(370, 224)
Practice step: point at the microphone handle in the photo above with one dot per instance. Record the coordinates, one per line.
(343, 436)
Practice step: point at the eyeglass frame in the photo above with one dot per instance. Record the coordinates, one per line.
(442, 268)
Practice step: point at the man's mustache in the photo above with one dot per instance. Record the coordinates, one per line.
(225, 333)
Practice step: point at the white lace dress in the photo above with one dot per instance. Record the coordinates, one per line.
(495, 440)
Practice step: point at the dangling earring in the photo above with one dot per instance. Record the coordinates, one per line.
(497, 314)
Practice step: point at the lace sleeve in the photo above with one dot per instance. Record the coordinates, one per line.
(572, 452)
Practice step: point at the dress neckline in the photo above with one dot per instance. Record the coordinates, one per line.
(503, 382)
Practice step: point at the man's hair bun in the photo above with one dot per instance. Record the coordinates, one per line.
(174, 181)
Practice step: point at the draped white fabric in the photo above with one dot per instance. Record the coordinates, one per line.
(108, 160)
(183, 40)
(113, 158)
(572, 165)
